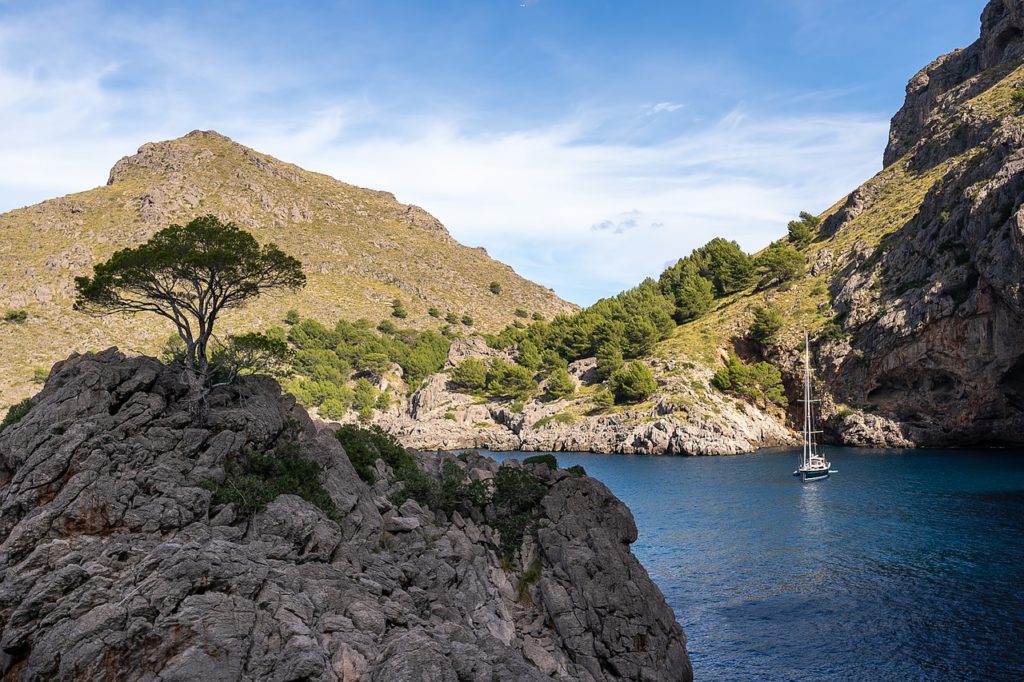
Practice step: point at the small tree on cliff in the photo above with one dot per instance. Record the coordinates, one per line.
(189, 275)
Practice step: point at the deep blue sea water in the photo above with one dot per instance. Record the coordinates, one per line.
(905, 565)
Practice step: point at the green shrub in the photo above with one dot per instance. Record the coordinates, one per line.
(633, 383)
(560, 385)
(364, 395)
(15, 413)
(725, 265)
(779, 264)
(803, 231)
(451, 318)
(494, 288)
(15, 315)
(333, 408)
(456, 492)
(537, 317)
(365, 446)
(760, 383)
(521, 313)
(548, 460)
(766, 325)
(602, 398)
(470, 376)
(449, 415)
(832, 331)
(577, 470)
(529, 578)
(292, 317)
(433, 311)
(251, 353)
(39, 375)
(375, 364)
(609, 360)
(509, 381)
(563, 418)
(516, 498)
(1017, 96)
(257, 478)
(467, 321)
(398, 309)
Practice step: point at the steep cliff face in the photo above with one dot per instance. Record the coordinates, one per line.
(115, 563)
(935, 309)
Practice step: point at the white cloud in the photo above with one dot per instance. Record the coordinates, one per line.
(664, 108)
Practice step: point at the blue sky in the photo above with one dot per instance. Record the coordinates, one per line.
(585, 142)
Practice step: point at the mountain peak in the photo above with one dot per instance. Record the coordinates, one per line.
(952, 79)
(189, 152)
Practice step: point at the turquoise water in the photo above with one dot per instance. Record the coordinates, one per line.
(905, 565)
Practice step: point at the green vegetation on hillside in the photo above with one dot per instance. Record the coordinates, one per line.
(761, 383)
(15, 413)
(335, 369)
(511, 501)
(619, 332)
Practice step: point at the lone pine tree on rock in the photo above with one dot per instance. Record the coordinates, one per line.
(190, 275)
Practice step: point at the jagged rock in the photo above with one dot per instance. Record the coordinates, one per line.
(873, 430)
(115, 564)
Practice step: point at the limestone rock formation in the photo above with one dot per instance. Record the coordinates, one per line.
(116, 564)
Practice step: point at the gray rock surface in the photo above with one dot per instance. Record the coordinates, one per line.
(114, 563)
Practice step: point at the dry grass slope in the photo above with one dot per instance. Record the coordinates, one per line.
(361, 249)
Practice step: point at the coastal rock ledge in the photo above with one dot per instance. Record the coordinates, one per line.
(116, 563)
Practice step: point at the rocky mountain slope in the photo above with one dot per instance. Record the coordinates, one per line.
(115, 563)
(362, 249)
(912, 293)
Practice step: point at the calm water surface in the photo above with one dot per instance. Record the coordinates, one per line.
(905, 565)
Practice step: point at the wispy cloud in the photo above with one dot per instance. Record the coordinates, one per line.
(663, 108)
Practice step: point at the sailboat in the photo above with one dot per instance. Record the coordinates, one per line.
(813, 465)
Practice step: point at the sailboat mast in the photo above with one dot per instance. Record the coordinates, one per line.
(807, 399)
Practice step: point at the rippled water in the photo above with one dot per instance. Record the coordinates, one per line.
(905, 565)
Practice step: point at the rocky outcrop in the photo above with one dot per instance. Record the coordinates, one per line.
(940, 88)
(116, 564)
(686, 417)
